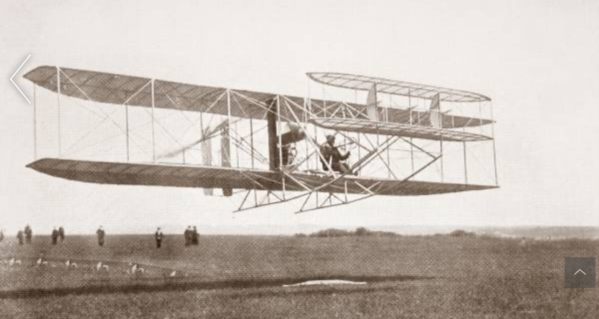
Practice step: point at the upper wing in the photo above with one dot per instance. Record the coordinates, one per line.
(124, 89)
(417, 90)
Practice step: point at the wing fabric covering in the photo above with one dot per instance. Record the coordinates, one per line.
(221, 177)
(394, 87)
(137, 91)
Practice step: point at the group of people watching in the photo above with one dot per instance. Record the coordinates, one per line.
(57, 234)
(26, 234)
(192, 237)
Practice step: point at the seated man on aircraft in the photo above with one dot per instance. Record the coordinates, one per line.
(289, 152)
(333, 157)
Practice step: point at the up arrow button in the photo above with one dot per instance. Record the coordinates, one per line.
(579, 272)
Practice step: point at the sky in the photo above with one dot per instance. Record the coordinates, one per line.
(537, 60)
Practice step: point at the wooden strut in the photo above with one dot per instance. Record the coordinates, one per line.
(376, 152)
(58, 90)
(34, 122)
(494, 150)
(368, 194)
(286, 175)
(106, 115)
(303, 126)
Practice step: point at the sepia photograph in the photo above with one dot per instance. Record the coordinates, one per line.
(299, 159)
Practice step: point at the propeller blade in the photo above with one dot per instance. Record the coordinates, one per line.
(207, 134)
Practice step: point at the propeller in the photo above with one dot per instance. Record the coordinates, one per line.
(206, 135)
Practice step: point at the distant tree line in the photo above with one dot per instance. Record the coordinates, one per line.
(462, 233)
(362, 232)
(358, 232)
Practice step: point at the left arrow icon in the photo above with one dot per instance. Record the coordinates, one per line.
(12, 79)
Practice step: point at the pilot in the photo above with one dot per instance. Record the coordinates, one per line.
(289, 153)
(332, 155)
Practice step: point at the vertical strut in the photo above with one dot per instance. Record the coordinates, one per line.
(493, 136)
(153, 131)
(34, 123)
(305, 127)
(316, 158)
(237, 144)
(465, 163)
(388, 149)
(441, 150)
(358, 138)
(324, 102)
(252, 142)
(127, 130)
(58, 103)
(280, 141)
(411, 123)
(441, 143)
(271, 123)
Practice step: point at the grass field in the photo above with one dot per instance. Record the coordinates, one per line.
(242, 276)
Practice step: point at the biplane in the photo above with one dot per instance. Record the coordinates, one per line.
(278, 137)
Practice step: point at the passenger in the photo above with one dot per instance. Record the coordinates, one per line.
(101, 234)
(20, 237)
(158, 236)
(61, 233)
(54, 236)
(28, 234)
(333, 157)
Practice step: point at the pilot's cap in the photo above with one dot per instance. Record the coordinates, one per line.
(330, 138)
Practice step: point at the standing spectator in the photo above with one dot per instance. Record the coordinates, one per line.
(188, 235)
(54, 236)
(100, 233)
(195, 237)
(20, 237)
(28, 234)
(158, 236)
(61, 233)
(1, 235)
